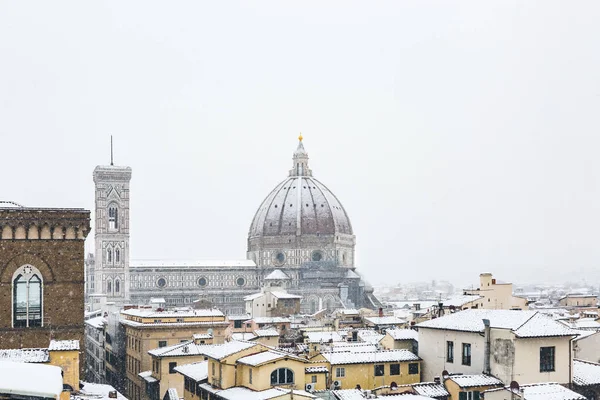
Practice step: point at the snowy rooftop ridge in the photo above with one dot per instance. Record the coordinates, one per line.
(179, 313)
(403, 334)
(220, 351)
(522, 323)
(196, 371)
(16, 379)
(466, 381)
(586, 373)
(25, 355)
(63, 345)
(191, 263)
(339, 358)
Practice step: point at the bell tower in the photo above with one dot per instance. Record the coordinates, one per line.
(111, 272)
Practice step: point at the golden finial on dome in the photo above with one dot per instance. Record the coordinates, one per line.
(300, 137)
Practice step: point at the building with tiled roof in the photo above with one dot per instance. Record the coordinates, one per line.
(526, 346)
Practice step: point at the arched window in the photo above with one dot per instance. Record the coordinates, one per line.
(109, 255)
(108, 286)
(282, 376)
(113, 217)
(117, 286)
(27, 297)
(117, 255)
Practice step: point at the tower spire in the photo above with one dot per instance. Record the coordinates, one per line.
(300, 166)
(111, 150)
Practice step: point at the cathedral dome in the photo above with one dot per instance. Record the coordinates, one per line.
(300, 205)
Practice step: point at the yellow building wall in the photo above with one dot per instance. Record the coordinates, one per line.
(261, 375)
(389, 343)
(174, 380)
(222, 373)
(69, 362)
(454, 389)
(272, 341)
(364, 375)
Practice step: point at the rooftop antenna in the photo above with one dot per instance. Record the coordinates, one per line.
(111, 150)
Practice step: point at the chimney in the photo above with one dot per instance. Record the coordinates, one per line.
(436, 379)
(112, 394)
(486, 355)
(380, 312)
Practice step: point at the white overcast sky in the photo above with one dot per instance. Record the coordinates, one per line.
(461, 137)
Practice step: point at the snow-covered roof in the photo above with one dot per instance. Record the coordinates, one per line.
(522, 323)
(466, 381)
(179, 313)
(25, 355)
(96, 391)
(96, 322)
(369, 336)
(242, 393)
(430, 389)
(147, 376)
(284, 295)
(63, 345)
(385, 320)
(271, 320)
(403, 334)
(338, 358)
(243, 336)
(197, 371)
(191, 264)
(172, 394)
(264, 357)
(459, 301)
(254, 296)
(323, 337)
(315, 370)
(586, 373)
(271, 332)
(352, 275)
(277, 275)
(171, 324)
(187, 348)
(220, 351)
(543, 391)
(200, 336)
(244, 317)
(357, 394)
(17, 379)
(347, 311)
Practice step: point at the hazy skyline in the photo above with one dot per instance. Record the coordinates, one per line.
(461, 137)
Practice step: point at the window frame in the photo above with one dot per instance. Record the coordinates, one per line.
(548, 361)
(450, 351)
(340, 372)
(172, 366)
(25, 274)
(379, 370)
(394, 369)
(411, 370)
(466, 358)
(282, 376)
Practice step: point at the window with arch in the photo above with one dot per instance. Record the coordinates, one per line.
(117, 255)
(117, 286)
(27, 297)
(109, 255)
(113, 217)
(282, 376)
(108, 286)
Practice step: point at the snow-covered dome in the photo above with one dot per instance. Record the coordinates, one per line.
(300, 205)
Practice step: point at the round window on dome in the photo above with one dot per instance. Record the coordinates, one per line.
(317, 255)
(202, 282)
(240, 281)
(278, 258)
(161, 282)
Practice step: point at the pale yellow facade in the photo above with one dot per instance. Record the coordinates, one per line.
(579, 301)
(350, 375)
(496, 296)
(69, 362)
(261, 375)
(167, 377)
(143, 334)
(455, 390)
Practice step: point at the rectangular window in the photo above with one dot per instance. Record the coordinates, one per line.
(172, 366)
(413, 368)
(450, 352)
(340, 372)
(547, 359)
(237, 323)
(394, 369)
(213, 368)
(379, 369)
(313, 379)
(466, 354)
(250, 376)
(162, 343)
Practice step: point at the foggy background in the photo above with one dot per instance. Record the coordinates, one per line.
(461, 137)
